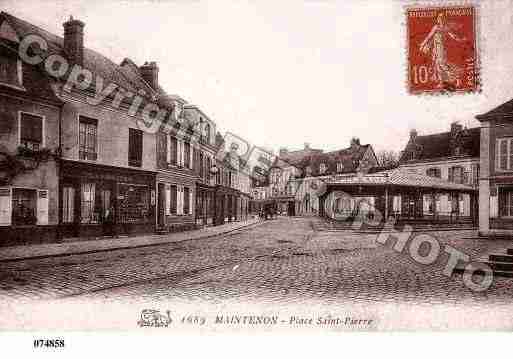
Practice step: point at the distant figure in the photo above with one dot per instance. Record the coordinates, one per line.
(108, 222)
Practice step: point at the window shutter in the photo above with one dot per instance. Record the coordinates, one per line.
(191, 202)
(5, 207)
(186, 202)
(451, 174)
(42, 207)
(191, 159)
(180, 200)
(168, 200)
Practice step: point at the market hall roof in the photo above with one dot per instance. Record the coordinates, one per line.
(399, 177)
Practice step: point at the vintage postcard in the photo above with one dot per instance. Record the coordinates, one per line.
(255, 167)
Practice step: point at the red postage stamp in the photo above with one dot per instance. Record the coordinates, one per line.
(442, 49)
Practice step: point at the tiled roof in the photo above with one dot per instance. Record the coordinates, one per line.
(506, 109)
(436, 146)
(399, 177)
(126, 75)
(349, 157)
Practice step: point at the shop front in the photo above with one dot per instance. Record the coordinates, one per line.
(101, 200)
(205, 204)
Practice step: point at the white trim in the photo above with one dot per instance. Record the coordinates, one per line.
(43, 126)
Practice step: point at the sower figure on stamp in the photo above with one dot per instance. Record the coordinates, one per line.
(436, 43)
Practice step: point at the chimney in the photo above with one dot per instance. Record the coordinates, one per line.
(413, 134)
(455, 128)
(307, 146)
(74, 40)
(355, 141)
(150, 74)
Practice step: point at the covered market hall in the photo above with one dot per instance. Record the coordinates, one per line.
(407, 196)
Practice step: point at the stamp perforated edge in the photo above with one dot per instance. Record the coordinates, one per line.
(478, 41)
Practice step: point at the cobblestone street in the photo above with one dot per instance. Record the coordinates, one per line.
(280, 261)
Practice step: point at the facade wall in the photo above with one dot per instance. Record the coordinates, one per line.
(112, 135)
(43, 180)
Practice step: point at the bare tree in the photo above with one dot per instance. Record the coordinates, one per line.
(388, 158)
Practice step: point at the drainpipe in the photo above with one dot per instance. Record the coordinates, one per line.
(59, 176)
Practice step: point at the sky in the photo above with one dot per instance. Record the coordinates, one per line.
(281, 74)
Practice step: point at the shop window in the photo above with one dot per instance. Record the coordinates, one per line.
(68, 205)
(187, 154)
(134, 203)
(10, 70)
(174, 200)
(24, 206)
(186, 200)
(88, 197)
(88, 129)
(135, 147)
(434, 172)
(504, 154)
(31, 131)
(506, 202)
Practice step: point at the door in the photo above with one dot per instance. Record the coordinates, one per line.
(291, 210)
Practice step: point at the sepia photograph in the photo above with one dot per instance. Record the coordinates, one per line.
(226, 167)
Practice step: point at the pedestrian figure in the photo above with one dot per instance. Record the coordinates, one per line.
(108, 222)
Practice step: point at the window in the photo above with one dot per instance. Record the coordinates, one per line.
(504, 152)
(434, 172)
(207, 133)
(135, 147)
(68, 205)
(186, 200)
(88, 196)
(173, 151)
(340, 167)
(187, 155)
(456, 174)
(31, 131)
(308, 170)
(88, 129)
(10, 70)
(506, 202)
(174, 199)
(322, 168)
(162, 150)
(201, 165)
(24, 206)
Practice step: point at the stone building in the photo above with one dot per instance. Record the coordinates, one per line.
(452, 156)
(296, 179)
(496, 171)
(30, 115)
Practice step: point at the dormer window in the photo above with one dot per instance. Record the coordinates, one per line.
(10, 70)
(340, 167)
(322, 168)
